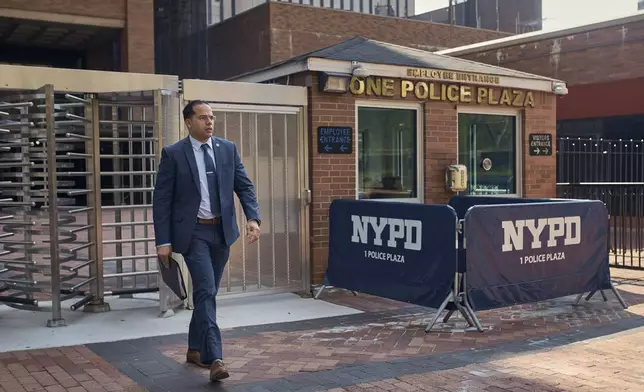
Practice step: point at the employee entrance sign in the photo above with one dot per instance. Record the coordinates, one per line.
(517, 252)
(335, 140)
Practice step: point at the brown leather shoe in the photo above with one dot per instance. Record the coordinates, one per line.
(193, 356)
(218, 371)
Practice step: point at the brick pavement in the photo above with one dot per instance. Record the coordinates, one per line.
(385, 347)
(65, 369)
(276, 354)
(613, 363)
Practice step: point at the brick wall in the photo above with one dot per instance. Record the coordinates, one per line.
(298, 29)
(334, 176)
(114, 9)
(249, 50)
(539, 173)
(138, 39)
(137, 43)
(277, 31)
(601, 55)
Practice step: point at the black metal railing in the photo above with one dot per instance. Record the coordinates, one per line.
(610, 170)
(597, 160)
(625, 205)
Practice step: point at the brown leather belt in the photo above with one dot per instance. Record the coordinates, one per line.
(212, 221)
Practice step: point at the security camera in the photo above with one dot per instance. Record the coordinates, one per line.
(358, 70)
(559, 88)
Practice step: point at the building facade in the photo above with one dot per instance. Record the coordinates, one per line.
(99, 35)
(512, 16)
(276, 31)
(405, 118)
(597, 60)
(220, 10)
(600, 122)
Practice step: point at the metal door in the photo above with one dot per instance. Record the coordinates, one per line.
(267, 124)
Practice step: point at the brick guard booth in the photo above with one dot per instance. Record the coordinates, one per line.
(385, 121)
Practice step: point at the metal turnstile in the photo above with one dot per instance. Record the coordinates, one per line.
(78, 155)
(47, 251)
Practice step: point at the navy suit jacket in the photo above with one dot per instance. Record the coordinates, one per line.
(177, 194)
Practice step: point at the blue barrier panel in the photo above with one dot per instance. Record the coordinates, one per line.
(400, 251)
(528, 253)
(463, 203)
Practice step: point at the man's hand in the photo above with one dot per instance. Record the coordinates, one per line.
(163, 252)
(252, 231)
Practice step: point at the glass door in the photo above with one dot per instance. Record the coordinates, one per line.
(487, 145)
(388, 153)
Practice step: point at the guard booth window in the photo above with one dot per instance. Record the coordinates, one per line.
(387, 153)
(487, 145)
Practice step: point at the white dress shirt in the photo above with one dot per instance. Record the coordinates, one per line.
(204, 207)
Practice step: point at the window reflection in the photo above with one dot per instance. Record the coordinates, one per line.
(387, 153)
(487, 146)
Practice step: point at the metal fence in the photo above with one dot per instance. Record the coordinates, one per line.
(597, 160)
(611, 171)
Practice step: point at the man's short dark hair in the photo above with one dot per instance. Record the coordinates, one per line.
(189, 109)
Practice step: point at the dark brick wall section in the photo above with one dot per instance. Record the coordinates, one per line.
(601, 55)
(137, 39)
(239, 44)
(274, 32)
(138, 48)
(298, 29)
(114, 9)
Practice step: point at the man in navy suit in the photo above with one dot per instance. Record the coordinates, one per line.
(194, 215)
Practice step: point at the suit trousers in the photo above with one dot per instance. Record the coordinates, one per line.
(206, 259)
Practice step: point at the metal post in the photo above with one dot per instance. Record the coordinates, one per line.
(57, 317)
(97, 304)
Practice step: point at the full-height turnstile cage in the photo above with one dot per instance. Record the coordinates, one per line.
(77, 172)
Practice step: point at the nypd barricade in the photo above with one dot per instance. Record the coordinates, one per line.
(505, 251)
(524, 253)
(462, 204)
(400, 251)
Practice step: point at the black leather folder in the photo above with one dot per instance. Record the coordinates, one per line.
(172, 276)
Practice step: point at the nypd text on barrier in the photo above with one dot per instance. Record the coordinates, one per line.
(568, 228)
(409, 231)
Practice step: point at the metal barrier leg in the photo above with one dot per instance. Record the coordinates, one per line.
(448, 315)
(579, 297)
(475, 319)
(317, 294)
(465, 314)
(448, 299)
(620, 299)
(619, 296)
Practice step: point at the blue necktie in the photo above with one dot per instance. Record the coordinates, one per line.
(213, 186)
